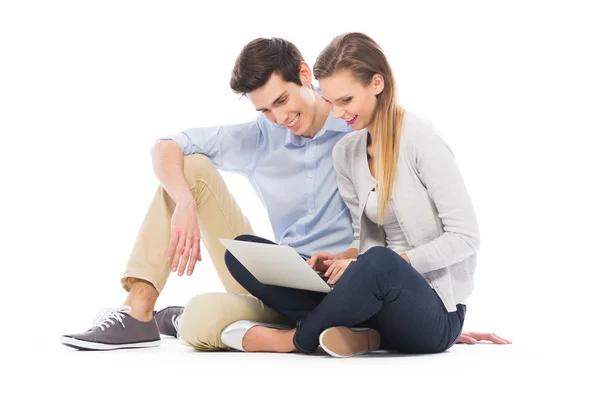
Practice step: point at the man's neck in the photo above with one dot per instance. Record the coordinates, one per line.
(320, 117)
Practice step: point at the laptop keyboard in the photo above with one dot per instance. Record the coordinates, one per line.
(324, 278)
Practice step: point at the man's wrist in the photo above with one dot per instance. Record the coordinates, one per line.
(183, 198)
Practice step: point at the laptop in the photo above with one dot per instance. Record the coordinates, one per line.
(277, 265)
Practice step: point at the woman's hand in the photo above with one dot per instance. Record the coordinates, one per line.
(336, 269)
(471, 338)
(316, 261)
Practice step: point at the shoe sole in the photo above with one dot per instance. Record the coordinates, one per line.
(86, 345)
(343, 342)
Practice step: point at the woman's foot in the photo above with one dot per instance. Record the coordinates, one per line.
(344, 342)
(266, 339)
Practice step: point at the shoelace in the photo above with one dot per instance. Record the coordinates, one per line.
(106, 317)
(175, 321)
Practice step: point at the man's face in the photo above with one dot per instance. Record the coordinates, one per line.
(286, 103)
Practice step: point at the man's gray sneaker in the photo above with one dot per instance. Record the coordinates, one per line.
(168, 320)
(115, 329)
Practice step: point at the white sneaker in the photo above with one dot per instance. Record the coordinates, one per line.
(233, 334)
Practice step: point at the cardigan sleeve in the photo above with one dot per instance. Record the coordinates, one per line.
(341, 163)
(438, 171)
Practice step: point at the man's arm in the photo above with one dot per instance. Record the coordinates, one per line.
(233, 148)
(184, 247)
(167, 162)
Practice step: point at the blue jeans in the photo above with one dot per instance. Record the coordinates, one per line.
(379, 290)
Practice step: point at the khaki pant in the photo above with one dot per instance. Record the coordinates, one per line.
(205, 315)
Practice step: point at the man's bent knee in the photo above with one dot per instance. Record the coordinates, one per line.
(206, 315)
(197, 167)
(203, 320)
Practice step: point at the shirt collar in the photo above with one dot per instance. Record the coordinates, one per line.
(331, 125)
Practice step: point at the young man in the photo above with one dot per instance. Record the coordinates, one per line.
(286, 154)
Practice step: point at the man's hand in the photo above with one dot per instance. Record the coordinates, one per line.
(184, 248)
(316, 261)
(471, 338)
(336, 268)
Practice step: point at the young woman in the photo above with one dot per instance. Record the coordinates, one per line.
(405, 279)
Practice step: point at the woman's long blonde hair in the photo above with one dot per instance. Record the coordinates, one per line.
(364, 58)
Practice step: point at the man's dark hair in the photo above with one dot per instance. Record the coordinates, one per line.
(260, 59)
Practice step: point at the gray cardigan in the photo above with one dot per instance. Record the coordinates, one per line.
(430, 201)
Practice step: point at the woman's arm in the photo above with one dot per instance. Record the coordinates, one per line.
(348, 193)
(437, 169)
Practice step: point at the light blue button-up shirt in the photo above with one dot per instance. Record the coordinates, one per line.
(293, 176)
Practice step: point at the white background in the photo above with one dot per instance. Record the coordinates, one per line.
(86, 88)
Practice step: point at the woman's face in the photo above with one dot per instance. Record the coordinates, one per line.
(349, 99)
(287, 103)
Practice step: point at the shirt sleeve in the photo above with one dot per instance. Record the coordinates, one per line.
(235, 148)
(438, 171)
(347, 191)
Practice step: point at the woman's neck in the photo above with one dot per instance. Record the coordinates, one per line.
(370, 148)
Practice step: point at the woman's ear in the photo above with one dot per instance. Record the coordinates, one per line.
(378, 83)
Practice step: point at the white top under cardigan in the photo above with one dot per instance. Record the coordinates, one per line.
(430, 201)
(394, 236)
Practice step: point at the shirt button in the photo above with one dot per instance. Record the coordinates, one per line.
(310, 211)
(311, 144)
(310, 175)
(412, 246)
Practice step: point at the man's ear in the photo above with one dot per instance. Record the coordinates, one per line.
(305, 74)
